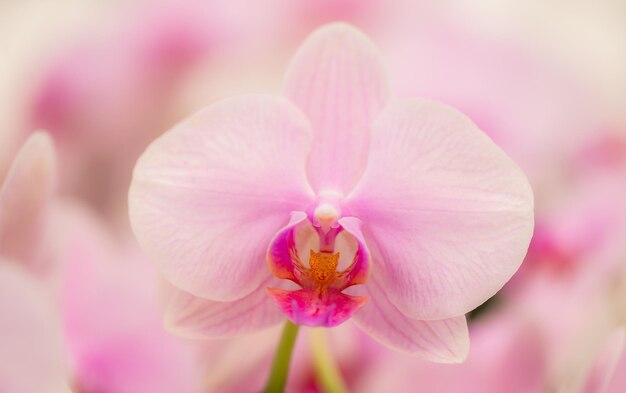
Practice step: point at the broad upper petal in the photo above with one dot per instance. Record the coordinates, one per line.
(442, 341)
(208, 196)
(338, 80)
(449, 214)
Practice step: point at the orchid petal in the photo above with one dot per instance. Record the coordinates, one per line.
(208, 196)
(360, 272)
(507, 355)
(338, 80)
(442, 341)
(24, 198)
(112, 320)
(449, 212)
(279, 253)
(307, 307)
(193, 317)
(31, 359)
(601, 374)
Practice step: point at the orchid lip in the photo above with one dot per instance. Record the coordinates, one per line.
(323, 262)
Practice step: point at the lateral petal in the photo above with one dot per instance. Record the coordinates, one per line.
(208, 196)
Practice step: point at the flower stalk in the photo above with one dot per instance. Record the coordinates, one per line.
(280, 366)
(326, 370)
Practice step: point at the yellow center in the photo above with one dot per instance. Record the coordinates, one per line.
(323, 266)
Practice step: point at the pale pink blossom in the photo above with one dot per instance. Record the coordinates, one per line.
(241, 364)
(111, 314)
(583, 229)
(573, 285)
(336, 185)
(507, 355)
(87, 296)
(104, 95)
(581, 225)
(574, 313)
(530, 104)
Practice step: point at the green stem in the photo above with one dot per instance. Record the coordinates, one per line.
(280, 365)
(326, 369)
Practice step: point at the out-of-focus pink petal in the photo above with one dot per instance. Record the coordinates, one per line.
(442, 341)
(193, 317)
(617, 383)
(506, 355)
(112, 317)
(24, 198)
(31, 358)
(304, 15)
(530, 105)
(338, 80)
(308, 307)
(451, 214)
(225, 361)
(587, 226)
(605, 363)
(208, 196)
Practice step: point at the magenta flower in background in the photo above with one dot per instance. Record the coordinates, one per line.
(400, 214)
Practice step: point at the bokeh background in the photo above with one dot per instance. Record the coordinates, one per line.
(546, 80)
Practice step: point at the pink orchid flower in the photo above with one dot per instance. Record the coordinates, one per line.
(527, 103)
(112, 87)
(507, 355)
(587, 227)
(340, 189)
(111, 323)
